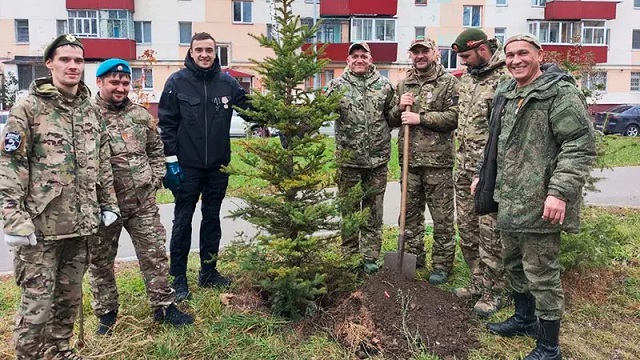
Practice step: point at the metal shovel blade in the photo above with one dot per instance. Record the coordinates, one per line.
(405, 263)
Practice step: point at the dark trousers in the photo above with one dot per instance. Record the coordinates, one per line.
(212, 185)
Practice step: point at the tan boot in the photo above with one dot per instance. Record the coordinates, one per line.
(488, 304)
(467, 292)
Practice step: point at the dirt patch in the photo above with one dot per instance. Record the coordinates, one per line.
(595, 286)
(399, 318)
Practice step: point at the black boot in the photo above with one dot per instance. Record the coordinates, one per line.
(106, 322)
(172, 315)
(523, 322)
(548, 344)
(181, 288)
(213, 279)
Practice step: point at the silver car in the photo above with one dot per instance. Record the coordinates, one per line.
(241, 128)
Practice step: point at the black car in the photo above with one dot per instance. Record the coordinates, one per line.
(622, 119)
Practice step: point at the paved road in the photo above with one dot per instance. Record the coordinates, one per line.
(618, 187)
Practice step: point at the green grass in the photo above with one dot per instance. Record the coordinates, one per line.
(621, 151)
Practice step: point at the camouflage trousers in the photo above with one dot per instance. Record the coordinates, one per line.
(374, 184)
(432, 187)
(148, 237)
(531, 261)
(479, 239)
(49, 275)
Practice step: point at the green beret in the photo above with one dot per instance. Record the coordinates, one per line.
(531, 39)
(469, 39)
(62, 40)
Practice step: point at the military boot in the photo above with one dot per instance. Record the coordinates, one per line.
(467, 292)
(488, 304)
(523, 322)
(548, 344)
(172, 315)
(106, 322)
(370, 267)
(66, 355)
(182, 288)
(213, 279)
(438, 276)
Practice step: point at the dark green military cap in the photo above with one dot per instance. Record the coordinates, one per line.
(469, 39)
(62, 40)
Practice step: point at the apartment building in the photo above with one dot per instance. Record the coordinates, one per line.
(127, 28)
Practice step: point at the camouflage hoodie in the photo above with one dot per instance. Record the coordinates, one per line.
(546, 147)
(363, 134)
(137, 153)
(55, 175)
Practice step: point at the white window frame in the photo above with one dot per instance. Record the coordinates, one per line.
(500, 34)
(181, 23)
(452, 57)
(467, 21)
(635, 32)
(21, 24)
(422, 28)
(144, 37)
(83, 23)
(65, 27)
(538, 3)
(593, 39)
(330, 26)
(372, 35)
(501, 3)
(595, 77)
(636, 4)
(635, 87)
(109, 20)
(567, 31)
(137, 73)
(226, 61)
(384, 72)
(242, 19)
(421, 2)
(329, 75)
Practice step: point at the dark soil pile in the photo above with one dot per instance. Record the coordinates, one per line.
(398, 318)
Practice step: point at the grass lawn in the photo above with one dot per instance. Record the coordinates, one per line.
(602, 319)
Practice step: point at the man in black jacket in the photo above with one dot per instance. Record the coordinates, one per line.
(195, 114)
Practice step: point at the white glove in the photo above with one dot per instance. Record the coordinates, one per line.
(17, 240)
(109, 217)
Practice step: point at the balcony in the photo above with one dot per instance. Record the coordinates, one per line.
(577, 9)
(105, 48)
(358, 7)
(599, 51)
(101, 5)
(381, 52)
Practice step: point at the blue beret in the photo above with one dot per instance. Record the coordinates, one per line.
(114, 64)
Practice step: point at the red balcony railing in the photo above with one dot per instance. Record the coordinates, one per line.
(381, 52)
(577, 10)
(101, 5)
(358, 7)
(599, 51)
(102, 48)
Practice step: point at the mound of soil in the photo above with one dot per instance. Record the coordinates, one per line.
(398, 317)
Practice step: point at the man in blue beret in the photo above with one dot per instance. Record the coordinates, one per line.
(137, 160)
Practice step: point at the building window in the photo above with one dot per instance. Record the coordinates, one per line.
(242, 12)
(501, 2)
(269, 32)
(421, 2)
(142, 77)
(378, 30)
(330, 32)
(116, 24)
(635, 81)
(185, 32)
(384, 73)
(565, 32)
(635, 40)
(22, 31)
(28, 72)
(83, 23)
(328, 76)
(636, 3)
(595, 81)
(143, 32)
(538, 3)
(593, 32)
(501, 34)
(223, 55)
(471, 16)
(61, 27)
(419, 31)
(448, 58)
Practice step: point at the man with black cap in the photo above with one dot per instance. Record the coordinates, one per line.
(137, 160)
(432, 94)
(363, 147)
(543, 144)
(195, 112)
(479, 239)
(56, 186)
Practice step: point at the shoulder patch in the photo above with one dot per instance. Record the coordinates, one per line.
(12, 141)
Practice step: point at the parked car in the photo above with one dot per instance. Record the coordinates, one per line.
(241, 128)
(4, 116)
(622, 119)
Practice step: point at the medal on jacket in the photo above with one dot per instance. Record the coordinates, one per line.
(519, 105)
(225, 101)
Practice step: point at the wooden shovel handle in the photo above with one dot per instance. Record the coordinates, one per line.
(405, 175)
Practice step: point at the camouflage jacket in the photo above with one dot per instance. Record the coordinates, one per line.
(363, 134)
(476, 96)
(546, 147)
(137, 153)
(55, 176)
(436, 100)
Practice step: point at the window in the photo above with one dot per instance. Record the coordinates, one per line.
(421, 2)
(538, 2)
(379, 30)
(501, 2)
(311, 1)
(419, 31)
(635, 81)
(595, 81)
(565, 32)
(501, 34)
(636, 3)
(448, 58)
(28, 72)
(116, 24)
(61, 27)
(635, 41)
(471, 16)
(143, 32)
(223, 55)
(330, 32)
(269, 33)
(22, 31)
(142, 76)
(83, 23)
(384, 73)
(242, 12)
(593, 32)
(328, 76)
(185, 32)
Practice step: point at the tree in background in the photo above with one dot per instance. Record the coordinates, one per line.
(8, 91)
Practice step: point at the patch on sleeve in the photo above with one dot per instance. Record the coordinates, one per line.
(12, 141)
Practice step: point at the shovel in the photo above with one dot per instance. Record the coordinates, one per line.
(400, 261)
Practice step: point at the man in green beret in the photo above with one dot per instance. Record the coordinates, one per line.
(56, 186)
(479, 239)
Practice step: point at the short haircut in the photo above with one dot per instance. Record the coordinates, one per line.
(202, 36)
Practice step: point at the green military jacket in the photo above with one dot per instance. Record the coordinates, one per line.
(476, 97)
(55, 175)
(363, 133)
(546, 147)
(436, 100)
(137, 153)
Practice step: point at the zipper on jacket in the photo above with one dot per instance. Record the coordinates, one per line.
(206, 128)
(366, 119)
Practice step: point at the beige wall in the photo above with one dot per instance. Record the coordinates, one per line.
(8, 46)
(635, 57)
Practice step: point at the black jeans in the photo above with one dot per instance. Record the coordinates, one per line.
(212, 184)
